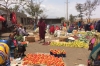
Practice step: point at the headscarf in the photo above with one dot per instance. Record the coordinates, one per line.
(97, 36)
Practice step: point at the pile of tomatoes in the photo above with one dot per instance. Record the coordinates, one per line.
(45, 59)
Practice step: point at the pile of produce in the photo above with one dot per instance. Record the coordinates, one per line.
(58, 53)
(76, 43)
(44, 59)
(84, 39)
(84, 36)
(89, 33)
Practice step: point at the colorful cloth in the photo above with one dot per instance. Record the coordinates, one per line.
(4, 55)
(92, 27)
(64, 25)
(52, 29)
(91, 45)
(57, 28)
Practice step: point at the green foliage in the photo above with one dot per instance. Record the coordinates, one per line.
(62, 18)
(80, 9)
(15, 8)
(72, 18)
(34, 9)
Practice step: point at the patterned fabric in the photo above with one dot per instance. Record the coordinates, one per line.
(4, 55)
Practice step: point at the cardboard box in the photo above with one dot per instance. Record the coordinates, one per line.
(63, 38)
(30, 38)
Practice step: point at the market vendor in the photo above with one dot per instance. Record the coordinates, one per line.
(11, 38)
(52, 29)
(94, 55)
(19, 38)
(71, 28)
(4, 55)
(57, 28)
(92, 42)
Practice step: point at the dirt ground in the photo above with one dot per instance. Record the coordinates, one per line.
(74, 57)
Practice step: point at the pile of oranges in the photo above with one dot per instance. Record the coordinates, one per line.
(45, 59)
(58, 52)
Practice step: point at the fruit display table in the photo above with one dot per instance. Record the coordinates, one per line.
(76, 44)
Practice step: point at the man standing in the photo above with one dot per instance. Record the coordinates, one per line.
(42, 31)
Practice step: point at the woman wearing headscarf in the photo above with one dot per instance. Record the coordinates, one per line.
(71, 28)
(4, 55)
(94, 56)
(42, 28)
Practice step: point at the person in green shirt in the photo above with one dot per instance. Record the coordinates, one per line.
(21, 48)
(19, 37)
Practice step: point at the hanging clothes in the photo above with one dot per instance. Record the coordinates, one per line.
(13, 18)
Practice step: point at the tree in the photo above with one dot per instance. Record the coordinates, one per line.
(44, 16)
(80, 8)
(90, 6)
(62, 18)
(34, 9)
(15, 8)
(8, 3)
(72, 18)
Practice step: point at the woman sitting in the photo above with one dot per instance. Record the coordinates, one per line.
(94, 56)
(92, 42)
(52, 29)
(21, 48)
(71, 28)
(24, 32)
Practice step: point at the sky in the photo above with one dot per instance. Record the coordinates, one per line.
(57, 8)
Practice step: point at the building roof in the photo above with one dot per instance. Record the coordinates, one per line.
(3, 11)
(21, 14)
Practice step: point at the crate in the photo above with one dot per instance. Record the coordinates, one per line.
(30, 38)
(63, 38)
